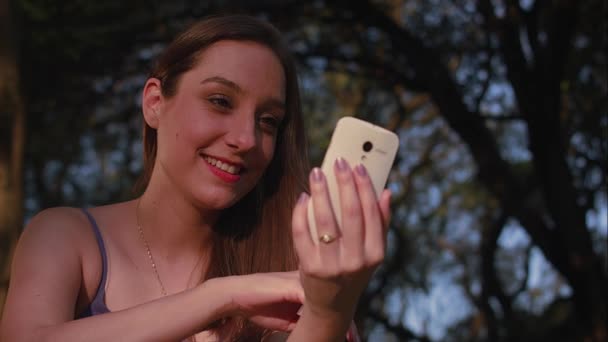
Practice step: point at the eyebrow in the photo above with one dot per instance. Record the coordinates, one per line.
(221, 80)
(218, 79)
(276, 104)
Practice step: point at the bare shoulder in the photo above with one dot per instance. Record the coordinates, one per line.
(46, 272)
(57, 236)
(58, 217)
(57, 227)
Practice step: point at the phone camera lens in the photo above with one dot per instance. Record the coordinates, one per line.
(367, 146)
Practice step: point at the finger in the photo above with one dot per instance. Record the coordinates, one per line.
(374, 230)
(287, 283)
(302, 240)
(324, 217)
(284, 323)
(286, 274)
(352, 217)
(385, 208)
(297, 295)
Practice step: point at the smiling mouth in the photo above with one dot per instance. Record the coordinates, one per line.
(226, 167)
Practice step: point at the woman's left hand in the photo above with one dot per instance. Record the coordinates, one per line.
(335, 273)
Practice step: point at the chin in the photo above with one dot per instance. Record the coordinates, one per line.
(218, 197)
(217, 202)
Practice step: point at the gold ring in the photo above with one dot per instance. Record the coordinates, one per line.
(326, 238)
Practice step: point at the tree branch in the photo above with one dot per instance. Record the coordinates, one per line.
(502, 117)
(368, 67)
(490, 283)
(524, 282)
(530, 19)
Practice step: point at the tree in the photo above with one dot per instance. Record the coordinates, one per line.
(500, 107)
(12, 136)
(533, 47)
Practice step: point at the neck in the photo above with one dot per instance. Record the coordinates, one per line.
(173, 226)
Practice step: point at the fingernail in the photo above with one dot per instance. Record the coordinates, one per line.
(317, 174)
(361, 171)
(303, 197)
(341, 164)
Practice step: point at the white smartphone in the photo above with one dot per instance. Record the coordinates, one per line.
(358, 142)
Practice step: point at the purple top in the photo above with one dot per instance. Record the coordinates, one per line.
(98, 305)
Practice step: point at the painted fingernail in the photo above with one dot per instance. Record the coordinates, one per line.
(317, 174)
(341, 164)
(303, 197)
(361, 171)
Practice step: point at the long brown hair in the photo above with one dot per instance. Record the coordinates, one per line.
(255, 234)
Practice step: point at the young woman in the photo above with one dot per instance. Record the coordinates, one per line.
(217, 248)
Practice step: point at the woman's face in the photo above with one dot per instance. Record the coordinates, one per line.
(217, 135)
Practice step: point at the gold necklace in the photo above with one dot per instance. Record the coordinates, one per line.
(143, 239)
(152, 262)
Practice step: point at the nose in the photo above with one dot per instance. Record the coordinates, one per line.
(241, 134)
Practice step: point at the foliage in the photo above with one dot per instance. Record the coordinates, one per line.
(499, 228)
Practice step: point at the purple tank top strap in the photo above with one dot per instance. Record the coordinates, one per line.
(98, 305)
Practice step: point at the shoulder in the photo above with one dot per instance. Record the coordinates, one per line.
(53, 248)
(58, 233)
(47, 268)
(70, 227)
(59, 217)
(57, 226)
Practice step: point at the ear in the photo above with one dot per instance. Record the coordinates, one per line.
(152, 100)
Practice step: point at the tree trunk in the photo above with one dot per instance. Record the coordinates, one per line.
(12, 132)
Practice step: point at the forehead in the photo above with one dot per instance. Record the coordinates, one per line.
(251, 65)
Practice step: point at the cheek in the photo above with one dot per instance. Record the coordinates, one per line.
(263, 157)
(269, 150)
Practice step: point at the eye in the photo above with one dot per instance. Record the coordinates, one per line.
(269, 123)
(221, 101)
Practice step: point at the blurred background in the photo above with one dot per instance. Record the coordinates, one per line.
(499, 230)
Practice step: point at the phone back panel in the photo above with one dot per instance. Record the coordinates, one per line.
(349, 141)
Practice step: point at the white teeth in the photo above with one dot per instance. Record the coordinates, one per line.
(222, 166)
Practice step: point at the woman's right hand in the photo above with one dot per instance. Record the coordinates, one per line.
(269, 300)
(335, 273)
